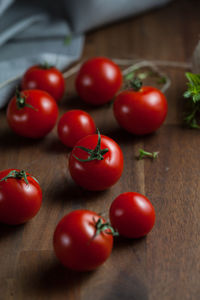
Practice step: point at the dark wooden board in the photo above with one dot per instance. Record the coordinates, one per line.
(165, 264)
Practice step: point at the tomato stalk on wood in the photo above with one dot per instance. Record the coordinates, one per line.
(144, 154)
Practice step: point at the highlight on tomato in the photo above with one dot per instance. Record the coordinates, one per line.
(96, 162)
(44, 77)
(74, 125)
(140, 109)
(98, 80)
(83, 240)
(132, 215)
(20, 196)
(32, 113)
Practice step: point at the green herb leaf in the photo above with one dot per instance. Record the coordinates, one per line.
(193, 86)
(187, 94)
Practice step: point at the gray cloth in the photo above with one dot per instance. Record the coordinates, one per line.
(35, 31)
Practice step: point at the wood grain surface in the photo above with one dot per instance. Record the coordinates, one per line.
(165, 265)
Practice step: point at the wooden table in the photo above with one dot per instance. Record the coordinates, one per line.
(166, 264)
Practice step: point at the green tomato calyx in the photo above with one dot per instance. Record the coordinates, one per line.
(18, 175)
(104, 227)
(21, 100)
(94, 154)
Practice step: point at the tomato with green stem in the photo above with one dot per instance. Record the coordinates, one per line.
(98, 80)
(132, 215)
(83, 240)
(46, 78)
(96, 162)
(74, 125)
(141, 109)
(32, 113)
(20, 196)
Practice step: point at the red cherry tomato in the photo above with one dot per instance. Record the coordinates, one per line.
(96, 162)
(142, 111)
(45, 78)
(74, 125)
(98, 80)
(132, 215)
(82, 241)
(32, 113)
(20, 197)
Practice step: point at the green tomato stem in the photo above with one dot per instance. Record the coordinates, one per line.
(18, 175)
(94, 154)
(143, 154)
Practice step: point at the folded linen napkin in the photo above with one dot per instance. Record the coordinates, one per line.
(35, 31)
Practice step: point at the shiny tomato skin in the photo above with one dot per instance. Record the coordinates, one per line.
(132, 215)
(140, 112)
(49, 80)
(74, 242)
(29, 122)
(19, 202)
(74, 125)
(98, 80)
(96, 175)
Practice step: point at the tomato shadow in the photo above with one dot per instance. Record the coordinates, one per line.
(73, 101)
(128, 285)
(66, 191)
(10, 230)
(121, 136)
(122, 242)
(10, 140)
(52, 279)
(55, 146)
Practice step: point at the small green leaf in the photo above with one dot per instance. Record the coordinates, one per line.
(194, 79)
(187, 94)
(196, 98)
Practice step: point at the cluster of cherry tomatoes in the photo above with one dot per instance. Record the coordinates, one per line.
(83, 240)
